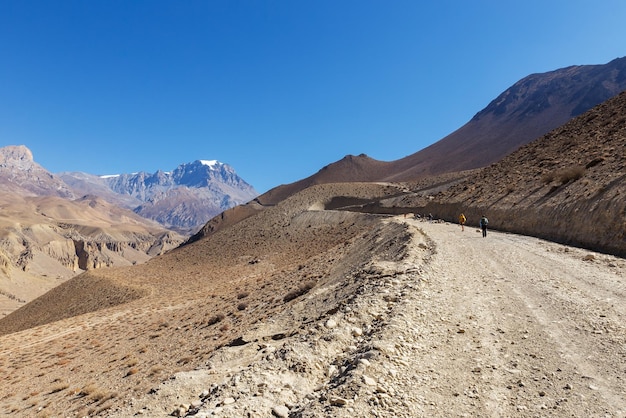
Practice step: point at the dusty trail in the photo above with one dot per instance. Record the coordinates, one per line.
(511, 325)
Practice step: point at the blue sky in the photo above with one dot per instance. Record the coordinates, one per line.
(277, 89)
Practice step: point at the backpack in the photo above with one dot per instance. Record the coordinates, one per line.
(484, 221)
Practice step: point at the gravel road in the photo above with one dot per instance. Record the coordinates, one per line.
(509, 325)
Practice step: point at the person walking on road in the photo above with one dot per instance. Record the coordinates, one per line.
(462, 221)
(483, 225)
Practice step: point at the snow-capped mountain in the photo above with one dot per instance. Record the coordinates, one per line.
(183, 199)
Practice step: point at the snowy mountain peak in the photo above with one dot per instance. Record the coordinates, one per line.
(184, 198)
(210, 163)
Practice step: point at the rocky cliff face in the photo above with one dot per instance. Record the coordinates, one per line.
(18, 171)
(47, 236)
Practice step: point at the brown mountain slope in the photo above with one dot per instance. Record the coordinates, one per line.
(525, 111)
(177, 308)
(568, 186)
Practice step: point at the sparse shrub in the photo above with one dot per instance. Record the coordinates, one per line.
(156, 370)
(101, 396)
(224, 327)
(59, 387)
(242, 295)
(571, 174)
(103, 408)
(215, 319)
(87, 390)
(564, 175)
(301, 290)
(242, 306)
(184, 360)
(131, 371)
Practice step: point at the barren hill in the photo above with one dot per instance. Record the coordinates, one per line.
(568, 186)
(47, 235)
(301, 309)
(527, 110)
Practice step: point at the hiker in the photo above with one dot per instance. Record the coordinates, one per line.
(462, 221)
(483, 225)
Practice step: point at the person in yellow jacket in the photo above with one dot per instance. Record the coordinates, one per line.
(462, 221)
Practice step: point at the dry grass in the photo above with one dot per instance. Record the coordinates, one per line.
(132, 371)
(301, 290)
(564, 175)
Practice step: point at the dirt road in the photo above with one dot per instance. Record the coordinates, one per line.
(468, 326)
(514, 326)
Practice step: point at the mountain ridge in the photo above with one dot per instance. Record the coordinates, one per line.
(197, 191)
(528, 109)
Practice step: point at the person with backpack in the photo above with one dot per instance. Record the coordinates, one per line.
(462, 220)
(483, 225)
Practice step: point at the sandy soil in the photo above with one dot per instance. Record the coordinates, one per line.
(462, 326)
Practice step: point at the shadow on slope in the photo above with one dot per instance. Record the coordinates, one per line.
(82, 294)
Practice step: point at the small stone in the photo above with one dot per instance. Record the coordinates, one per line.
(369, 381)
(228, 401)
(357, 332)
(337, 401)
(331, 323)
(332, 369)
(280, 411)
(178, 412)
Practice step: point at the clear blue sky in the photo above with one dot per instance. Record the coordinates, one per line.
(278, 88)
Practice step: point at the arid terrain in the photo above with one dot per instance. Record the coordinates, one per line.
(335, 297)
(317, 312)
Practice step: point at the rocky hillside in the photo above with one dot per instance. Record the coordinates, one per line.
(303, 311)
(46, 237)
(181, 200)
(181, 306)
(527, 110)
(568, 186)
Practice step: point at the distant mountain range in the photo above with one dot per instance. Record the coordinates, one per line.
(182, 200)
(52, 227)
